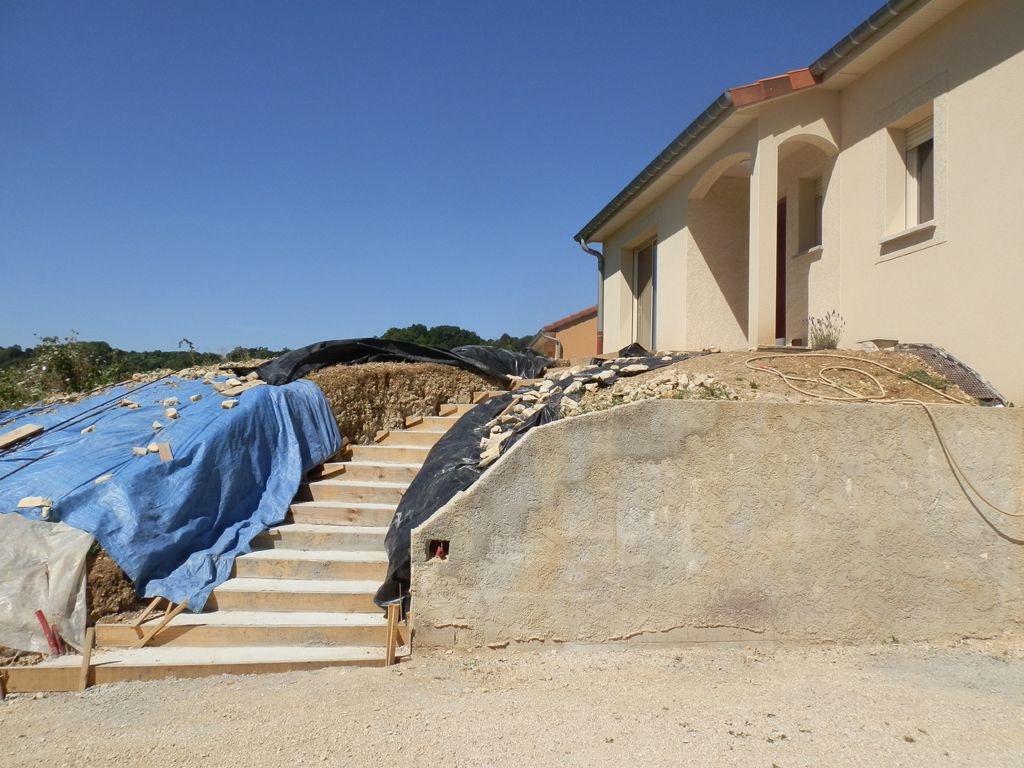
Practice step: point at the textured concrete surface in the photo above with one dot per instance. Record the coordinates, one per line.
(704, 521)
(882, 705)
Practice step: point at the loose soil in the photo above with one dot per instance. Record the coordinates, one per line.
(109, 593)
(762, 706)
(374, 396)
(729, 368)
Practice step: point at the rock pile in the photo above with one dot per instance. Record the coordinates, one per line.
(563, 393)
(677, 385)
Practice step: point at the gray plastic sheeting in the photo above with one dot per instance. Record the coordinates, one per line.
(42, 567)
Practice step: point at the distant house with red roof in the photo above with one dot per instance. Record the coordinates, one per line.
(570, 338)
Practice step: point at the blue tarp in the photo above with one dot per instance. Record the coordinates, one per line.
(174, 527)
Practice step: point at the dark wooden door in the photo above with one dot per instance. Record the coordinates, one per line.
(780, 272)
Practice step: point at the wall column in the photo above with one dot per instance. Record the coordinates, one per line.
(764, 193)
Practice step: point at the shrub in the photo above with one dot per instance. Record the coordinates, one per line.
(825, 332)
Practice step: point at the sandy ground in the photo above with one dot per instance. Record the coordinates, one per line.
(730, 369)
(889, 705)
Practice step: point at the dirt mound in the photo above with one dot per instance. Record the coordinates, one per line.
(374, 396)
(108, 590)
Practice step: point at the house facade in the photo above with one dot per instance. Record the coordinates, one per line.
(884, 182)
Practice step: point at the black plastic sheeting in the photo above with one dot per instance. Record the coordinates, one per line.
(453, 464)
(488, 361)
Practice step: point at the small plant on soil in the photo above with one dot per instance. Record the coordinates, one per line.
(713, 390)
(825, 332)
(923, 377)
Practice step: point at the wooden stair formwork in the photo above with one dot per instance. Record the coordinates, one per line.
(302, 599)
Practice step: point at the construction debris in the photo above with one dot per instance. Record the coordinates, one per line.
(171, 413)
(18, 434)
(30, 502)
(90, 428)
(228, 403)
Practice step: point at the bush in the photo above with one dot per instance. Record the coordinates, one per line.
(825, 332)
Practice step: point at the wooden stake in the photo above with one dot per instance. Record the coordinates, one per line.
(394, 611)
(145, 614)
(83, 678)
(163, 623)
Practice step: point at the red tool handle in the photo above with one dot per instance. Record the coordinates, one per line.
(51, 641)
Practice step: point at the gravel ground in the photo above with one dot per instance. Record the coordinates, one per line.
(891, 705)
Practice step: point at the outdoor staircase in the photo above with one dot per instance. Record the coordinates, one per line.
(302, 599)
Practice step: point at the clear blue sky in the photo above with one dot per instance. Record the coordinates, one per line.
(277, 173)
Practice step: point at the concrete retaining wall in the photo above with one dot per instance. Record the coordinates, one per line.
(705, 521)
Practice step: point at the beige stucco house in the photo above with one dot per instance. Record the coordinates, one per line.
(885, 182)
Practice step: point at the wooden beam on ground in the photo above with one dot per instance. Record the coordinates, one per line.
(165, 452)
(83, 677)
(412, 421)
(163, 623)
(381, 435)
(16, 435)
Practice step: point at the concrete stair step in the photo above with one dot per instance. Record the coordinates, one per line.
(390, 454)
(412, 437)
(294, 595)
(125, 664)
(381, 492)
(261, 628)
(455, 409)
(320, 537)
(341, 513)
(391, 472)
(291, 564)
(436, 423)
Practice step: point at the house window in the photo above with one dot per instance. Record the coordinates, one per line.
(811, 199)
(919, 156)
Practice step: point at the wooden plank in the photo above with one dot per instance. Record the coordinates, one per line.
(66, 678)
(16, 435)
(394, 611)
(244, 387)
(83, 678)
(163, 623)
(41, 678)
(145, 614)
(227, 635)
(165, 452)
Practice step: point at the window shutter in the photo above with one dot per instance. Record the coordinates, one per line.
(919, 132)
